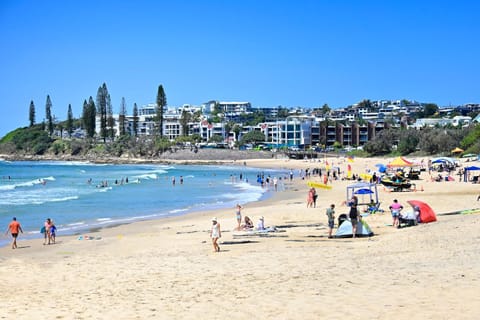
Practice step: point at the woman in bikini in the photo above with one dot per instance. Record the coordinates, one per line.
(238, 214)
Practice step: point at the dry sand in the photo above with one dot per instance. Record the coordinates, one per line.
(166, 269)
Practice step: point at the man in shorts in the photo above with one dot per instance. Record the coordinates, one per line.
(331, 219)
(14, 227)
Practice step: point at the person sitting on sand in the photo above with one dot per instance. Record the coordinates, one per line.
(261, 223)
(248, 223)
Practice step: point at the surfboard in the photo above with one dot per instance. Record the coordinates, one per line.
(319, 185)
(366, 176)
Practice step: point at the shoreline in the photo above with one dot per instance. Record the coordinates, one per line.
(167, 268)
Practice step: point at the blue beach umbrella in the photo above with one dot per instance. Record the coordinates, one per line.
(363, 191)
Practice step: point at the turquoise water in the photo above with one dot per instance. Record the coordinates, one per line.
(81, 196)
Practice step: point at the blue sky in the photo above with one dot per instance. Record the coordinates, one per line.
(289, 53)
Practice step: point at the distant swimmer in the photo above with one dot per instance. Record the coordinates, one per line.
(173, 181)
(181, 179)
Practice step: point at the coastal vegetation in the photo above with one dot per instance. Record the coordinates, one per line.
(52, 137)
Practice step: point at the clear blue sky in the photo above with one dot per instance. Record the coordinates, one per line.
(289, 53)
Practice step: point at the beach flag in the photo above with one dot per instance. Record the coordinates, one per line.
(350, 159)
(327, 166)
(349, 171)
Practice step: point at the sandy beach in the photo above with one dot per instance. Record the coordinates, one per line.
(166, 269)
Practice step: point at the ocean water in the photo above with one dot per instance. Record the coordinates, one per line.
(81, 196)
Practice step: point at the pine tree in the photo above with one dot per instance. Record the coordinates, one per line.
(90, 118)
(85, 115)
(161, 104)
(135, 120)
(31, 115)
(48, 115)
(102, 96)
(121, 116)
(110, 120)
(70, 120)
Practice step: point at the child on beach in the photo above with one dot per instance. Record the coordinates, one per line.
(53, 232)
(215, 233)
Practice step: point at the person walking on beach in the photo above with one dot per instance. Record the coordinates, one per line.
(215, 233)
(14, 227)
(315, 196)
(310, 196)
(47, 231)
(238, 215)
(395, 208)
(331, 219)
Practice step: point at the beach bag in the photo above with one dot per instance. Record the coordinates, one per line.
(42, 230)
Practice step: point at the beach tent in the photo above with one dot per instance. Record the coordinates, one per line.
(345, 230)
(366, 187)
(466, 172)
(426, 212)
(400, 162)
(444, 160)
(472, 168)
(457, 150)
(381, 167)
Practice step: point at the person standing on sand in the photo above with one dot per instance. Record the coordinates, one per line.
(215, 233)
(238, 215)
(315, 196)
(310, 198)
(47, 225)
(14, 227)
(331, 219)
(395, 208)
(353, 215)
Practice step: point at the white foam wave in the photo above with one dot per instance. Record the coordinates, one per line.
(64, 199)
(104, 219)
(178, 210)
(81, 223)
(104, 189)
(148, 176)
(8, 187)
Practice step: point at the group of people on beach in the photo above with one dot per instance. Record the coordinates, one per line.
(355, 217)
(49, 230)
(247, 224)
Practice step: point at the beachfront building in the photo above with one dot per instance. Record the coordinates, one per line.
(442, 122)
(230, 110)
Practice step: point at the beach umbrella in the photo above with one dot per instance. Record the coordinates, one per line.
(381, 167)
(363, 192)
(457, 150)
(426, 212)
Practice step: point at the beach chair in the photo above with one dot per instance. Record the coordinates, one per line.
(408, 220)
(375, 209)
